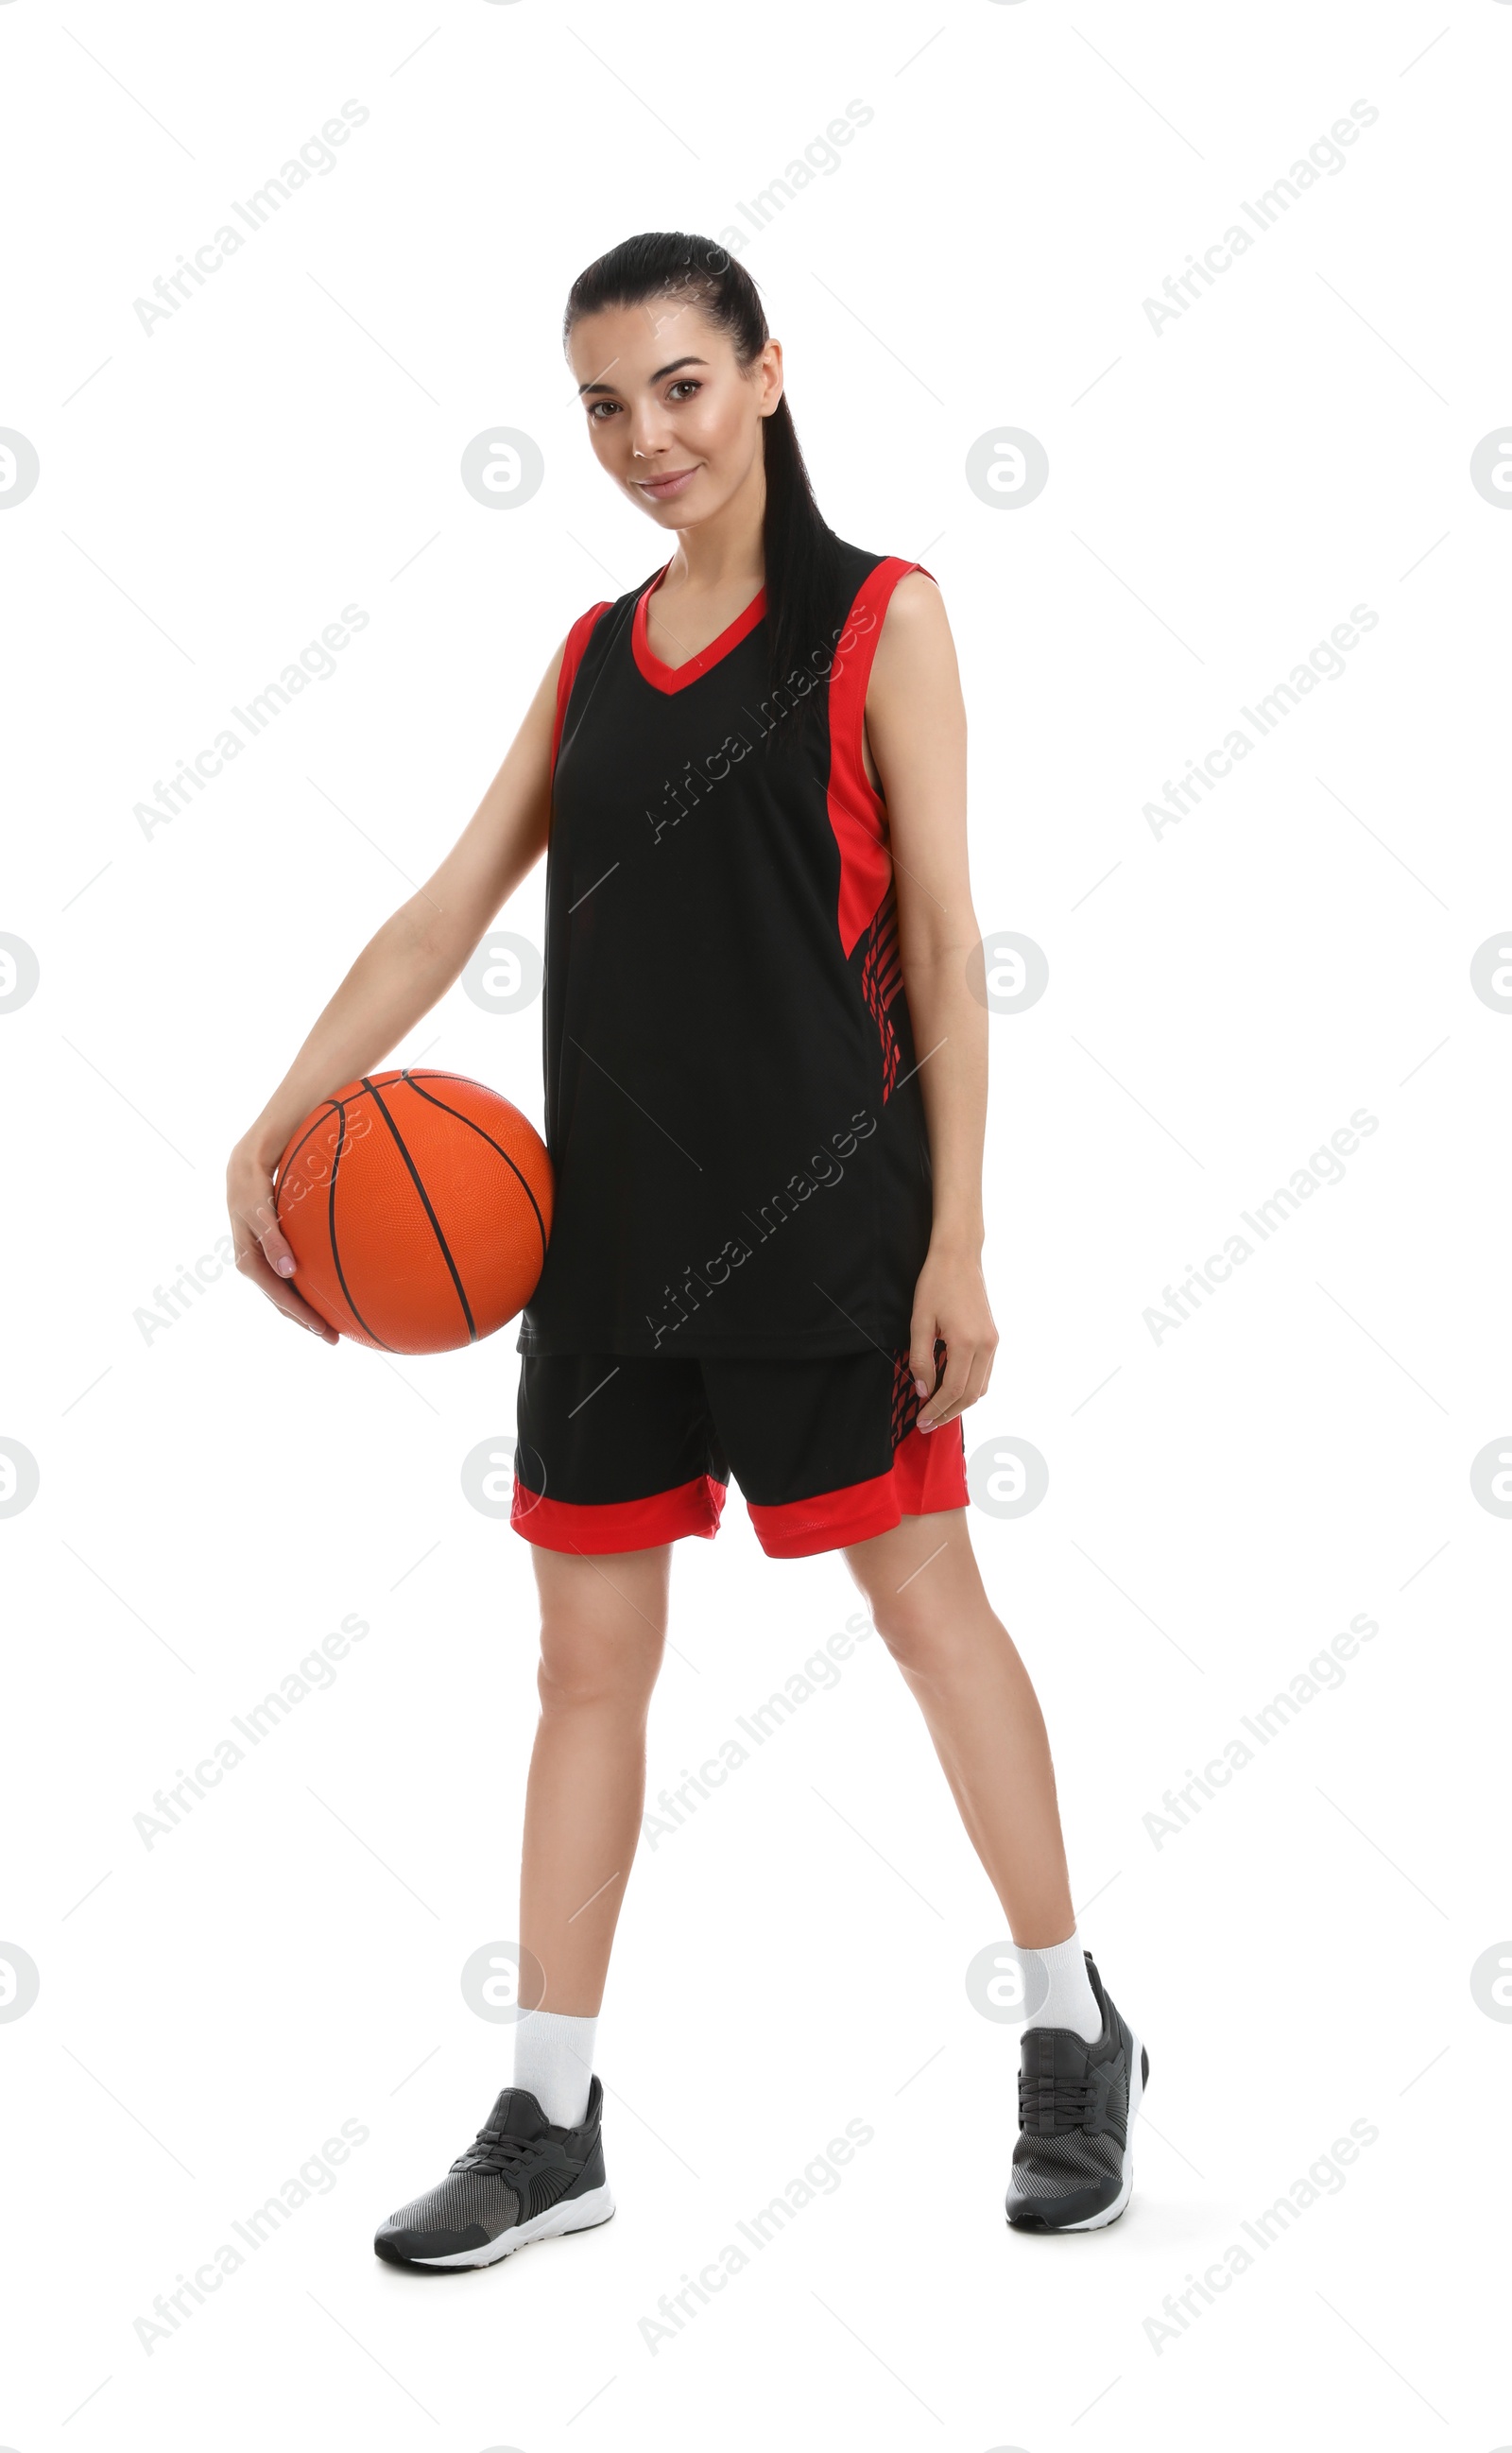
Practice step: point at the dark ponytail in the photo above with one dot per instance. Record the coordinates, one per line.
(799, 547)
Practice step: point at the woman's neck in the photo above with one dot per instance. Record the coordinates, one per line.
(722, 555)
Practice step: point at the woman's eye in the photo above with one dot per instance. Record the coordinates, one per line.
(600, 411)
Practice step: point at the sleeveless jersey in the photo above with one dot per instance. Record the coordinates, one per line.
(732, 1101)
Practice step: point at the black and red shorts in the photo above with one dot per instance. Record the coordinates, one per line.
(623, 1452)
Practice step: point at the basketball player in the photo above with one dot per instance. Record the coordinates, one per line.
(766, 1094)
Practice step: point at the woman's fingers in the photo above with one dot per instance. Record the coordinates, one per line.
(980, 1374)
(968, 1369)
(951, 1394)
(924, 1364)
(262, 1249)
(282, 1292)
(259, 1215)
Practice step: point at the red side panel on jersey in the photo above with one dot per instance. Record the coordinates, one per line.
(577, 639)
(857, 815)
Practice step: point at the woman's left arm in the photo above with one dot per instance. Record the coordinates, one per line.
(916, 729)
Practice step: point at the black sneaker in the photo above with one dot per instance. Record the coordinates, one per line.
(1072, 2167)
(521, 2178)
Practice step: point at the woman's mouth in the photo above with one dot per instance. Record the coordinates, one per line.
(661, 489)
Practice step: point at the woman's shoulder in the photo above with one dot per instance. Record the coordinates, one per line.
(600, 619)
(858, 564)
(892, 589)
(592, 613)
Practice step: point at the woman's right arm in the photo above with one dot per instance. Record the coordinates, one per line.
(399, 975)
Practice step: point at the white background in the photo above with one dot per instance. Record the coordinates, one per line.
(213, 1499)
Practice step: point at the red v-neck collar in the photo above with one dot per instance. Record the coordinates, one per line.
(676, 677)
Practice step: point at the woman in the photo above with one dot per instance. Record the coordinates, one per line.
(766, 1094)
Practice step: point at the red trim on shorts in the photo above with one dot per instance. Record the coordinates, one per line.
(620, 1524)
(930, 1469)
(929, 1474)
(577, 640)
(857, 813)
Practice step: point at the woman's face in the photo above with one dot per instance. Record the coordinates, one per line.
(672, 419)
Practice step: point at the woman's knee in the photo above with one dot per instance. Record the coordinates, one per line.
(594, 1664)
(932, 1630)
(602, 1633)
(922, 1584)
(913, 1631)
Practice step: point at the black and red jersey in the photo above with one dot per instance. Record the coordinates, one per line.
(733, 1099)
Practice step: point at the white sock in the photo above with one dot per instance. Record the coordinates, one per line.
(553, 2057)
(1071, 2002)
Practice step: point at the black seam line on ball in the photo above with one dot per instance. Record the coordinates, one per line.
(331, 1216)
(331, 1107)
(488, 1137)
(435, 1223)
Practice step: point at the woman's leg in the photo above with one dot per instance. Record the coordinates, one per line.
(603, 1620)
(602, 1624)
(930, 1607)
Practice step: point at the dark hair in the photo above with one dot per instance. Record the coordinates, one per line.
(799, 547)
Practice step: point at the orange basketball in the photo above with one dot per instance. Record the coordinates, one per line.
(417, 1205)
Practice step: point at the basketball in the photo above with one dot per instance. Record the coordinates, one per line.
(417, 1207)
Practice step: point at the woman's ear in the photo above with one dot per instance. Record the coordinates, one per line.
(771, 377)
